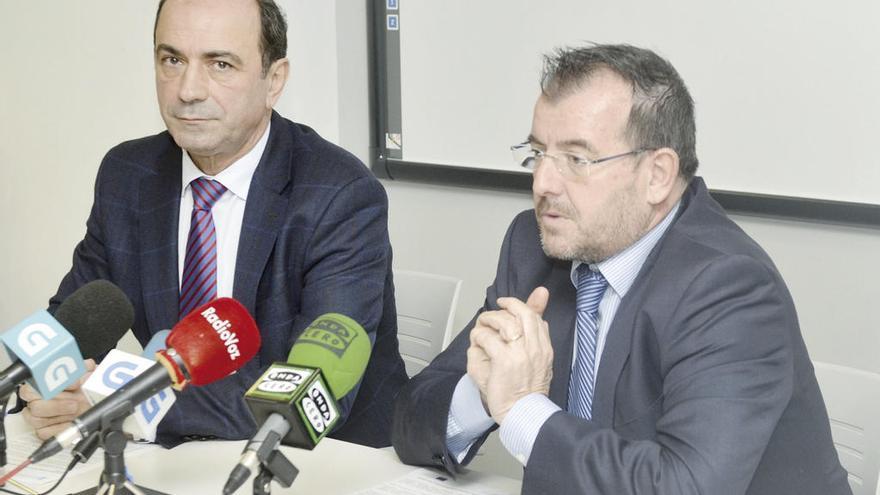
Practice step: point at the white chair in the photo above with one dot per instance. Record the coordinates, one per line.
(425, 310)
(853, 400)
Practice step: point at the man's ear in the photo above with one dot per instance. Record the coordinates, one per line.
(278, 73)
(662, 175)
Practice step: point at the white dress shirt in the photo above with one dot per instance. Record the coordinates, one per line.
(228, 211)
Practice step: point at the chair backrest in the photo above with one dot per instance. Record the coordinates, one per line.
(425, 310)
(853, 400)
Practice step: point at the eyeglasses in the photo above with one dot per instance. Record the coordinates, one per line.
(569, 165)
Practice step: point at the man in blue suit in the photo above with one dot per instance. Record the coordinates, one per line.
(635, 340)
(234, 200)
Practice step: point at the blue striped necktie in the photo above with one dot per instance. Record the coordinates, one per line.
(199, 281)
(590, 288)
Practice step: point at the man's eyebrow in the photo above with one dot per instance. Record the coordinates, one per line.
(578, 143)
(223, 54)
(162, 47)
(569, 143)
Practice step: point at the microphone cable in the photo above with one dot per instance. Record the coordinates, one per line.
(82, 452)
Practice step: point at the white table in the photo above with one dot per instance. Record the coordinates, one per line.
(195, 468)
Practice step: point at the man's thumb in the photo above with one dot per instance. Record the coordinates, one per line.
(538, 300)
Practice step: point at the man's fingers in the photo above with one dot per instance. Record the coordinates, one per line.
(517, 318)
(477, 362)
(538, 300)
(39, 423)
(544, 336)
(28, 393)
(476, 354)
(502, 321)
(489, 340)
(476, 358)
(50, 431)
(54, 408)
(528, 320)
(75, 386)
(43, 423)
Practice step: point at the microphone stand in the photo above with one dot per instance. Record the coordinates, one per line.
(275, 468)
(3, 406)
(113, 440)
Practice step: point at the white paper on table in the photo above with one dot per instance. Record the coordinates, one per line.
(45, 473)
(427, 482)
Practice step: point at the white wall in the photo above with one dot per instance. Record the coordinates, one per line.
(73, 85)
(832, 273)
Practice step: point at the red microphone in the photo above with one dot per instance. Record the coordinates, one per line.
(211, 342)
(208, 344)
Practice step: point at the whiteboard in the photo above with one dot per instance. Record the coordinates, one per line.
(787, 92)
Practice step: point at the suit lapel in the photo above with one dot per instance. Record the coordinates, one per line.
(157, 228)
(614, 356)
(263, 213)
(619, 339)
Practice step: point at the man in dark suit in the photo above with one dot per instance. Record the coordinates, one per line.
(635, 340)
(297, 227)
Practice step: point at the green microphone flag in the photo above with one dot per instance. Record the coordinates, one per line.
(325, 363)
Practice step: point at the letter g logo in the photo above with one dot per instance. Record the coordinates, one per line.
(59, 371)
(152, 407)
(118, 374)
(34, 338)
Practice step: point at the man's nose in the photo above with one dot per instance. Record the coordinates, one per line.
(546, 179)
(194, 86)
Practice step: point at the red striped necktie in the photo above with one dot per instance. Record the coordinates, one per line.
(199, 282)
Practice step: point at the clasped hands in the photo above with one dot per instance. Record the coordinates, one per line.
(510, 354)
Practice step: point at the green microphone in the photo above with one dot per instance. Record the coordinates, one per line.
(295, 403)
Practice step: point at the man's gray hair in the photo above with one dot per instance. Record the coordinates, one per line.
(662, 113)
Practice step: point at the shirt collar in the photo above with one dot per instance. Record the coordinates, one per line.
(236, 177)
(621, 269)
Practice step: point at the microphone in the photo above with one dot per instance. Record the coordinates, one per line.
(48, 351)
(295, 402)
(119, 368)
(208, 344)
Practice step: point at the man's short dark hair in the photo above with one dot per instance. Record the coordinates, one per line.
(273, 32)
(662, 113)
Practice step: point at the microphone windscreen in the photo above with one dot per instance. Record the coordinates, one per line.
(215, 339)
(156, 344)
(338, 346)
(97, 315)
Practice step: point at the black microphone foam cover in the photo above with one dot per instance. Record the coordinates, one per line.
(97, 315)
